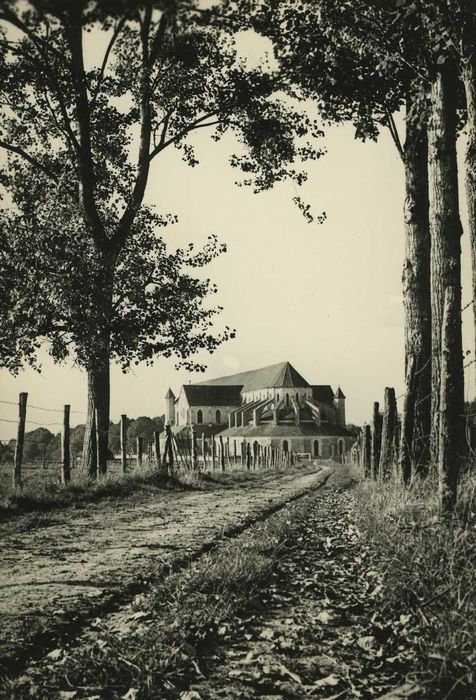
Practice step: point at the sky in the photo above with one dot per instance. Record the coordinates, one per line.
(326, 297)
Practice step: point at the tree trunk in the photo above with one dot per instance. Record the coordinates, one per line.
(102, 404)
(387, 450)
(89, 461)
(415, 437)
(469, 78)
(445, 225)
(95, 446)
(451, 427)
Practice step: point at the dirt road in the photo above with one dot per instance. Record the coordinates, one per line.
(75, 563)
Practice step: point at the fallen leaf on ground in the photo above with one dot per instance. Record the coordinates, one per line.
(55, 654)
(328, 680)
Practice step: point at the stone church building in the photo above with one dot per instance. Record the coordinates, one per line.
(273, 406)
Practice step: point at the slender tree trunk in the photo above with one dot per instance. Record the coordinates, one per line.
(102, 405)
(469, 78)
(89, 461)
(451, 426)
(95, 446)
(445, 225)
(415, 437)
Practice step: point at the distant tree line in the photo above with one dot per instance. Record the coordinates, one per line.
(43, 445)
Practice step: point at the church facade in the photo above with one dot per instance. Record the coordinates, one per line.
(272, 406)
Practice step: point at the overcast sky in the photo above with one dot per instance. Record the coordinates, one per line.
(325, 297)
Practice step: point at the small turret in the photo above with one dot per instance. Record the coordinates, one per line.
(170, 407)
(339, 403)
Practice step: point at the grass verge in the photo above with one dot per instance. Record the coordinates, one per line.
(41, 498)
(428, 566)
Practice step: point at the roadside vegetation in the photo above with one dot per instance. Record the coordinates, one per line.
(47, 496)
(428, 567)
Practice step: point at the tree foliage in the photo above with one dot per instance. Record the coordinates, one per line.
(47, 292)
(92, 95)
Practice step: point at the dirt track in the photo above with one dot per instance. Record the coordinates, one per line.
(76, 562)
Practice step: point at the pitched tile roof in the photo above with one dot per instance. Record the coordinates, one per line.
(323, 393)
(205, 395)
(282, 374)
(286, 430)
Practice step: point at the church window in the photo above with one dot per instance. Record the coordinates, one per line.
(218, 416)
(199, 416)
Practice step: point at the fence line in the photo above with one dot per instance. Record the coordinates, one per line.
(168, 452)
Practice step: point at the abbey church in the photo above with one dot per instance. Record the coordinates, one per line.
(273, 406)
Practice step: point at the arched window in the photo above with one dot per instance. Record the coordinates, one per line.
(316, 448)
(199, 416)
(218, 416)
(285, 446)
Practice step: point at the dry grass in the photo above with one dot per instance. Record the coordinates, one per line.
(429, 567)
(46, 496)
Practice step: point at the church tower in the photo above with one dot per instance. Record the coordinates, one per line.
(339, 403)
(169, 407)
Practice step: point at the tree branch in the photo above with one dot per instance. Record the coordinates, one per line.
(143, 160)
(86, 172)
(102, 70)
(42, 47)
(197, 124)
(26, 156)
(394, 132)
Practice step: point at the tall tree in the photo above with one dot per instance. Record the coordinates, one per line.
(47, 295)
(94, 128)
(359, 66)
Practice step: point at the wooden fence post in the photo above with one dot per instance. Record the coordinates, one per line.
(366, 449)
(222, 454)
(193, 448)
(20, 439)
(157, 448)
(451, 418)
(169, 449)
(376, 437)
(387, 451)
(248, 455)
(123, 435)
(204, 451)
(140, 443)
(65, 451)
(214, 452)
